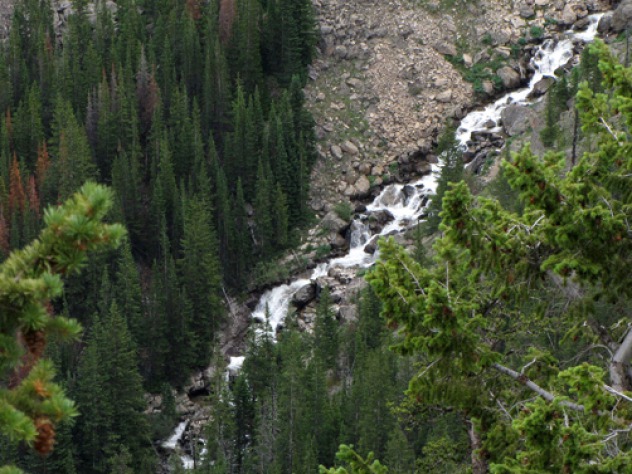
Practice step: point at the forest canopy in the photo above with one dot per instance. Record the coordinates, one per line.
(523, 320)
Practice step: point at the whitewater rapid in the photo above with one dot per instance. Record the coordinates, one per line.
(407, 203)
(550, 56)
(406, 208)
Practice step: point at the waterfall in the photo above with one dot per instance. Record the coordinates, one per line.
(550, 56)
(405, 202)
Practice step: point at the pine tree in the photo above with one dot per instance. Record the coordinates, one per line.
(6, 91)
(243, 241)
(280, 219)
(326, 342)
(244, 416)
(116, 423)
(451, 172)
(216, 84)
(220, 430)
(127, 293)
(466, 316)
(31, 402)
(28, 127)
(245, 50)
(200, 275)
(263, 218)
(69, 144)
(17, 195)
(357, 464)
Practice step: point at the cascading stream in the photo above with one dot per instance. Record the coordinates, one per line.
(551, 55)
(405, 202)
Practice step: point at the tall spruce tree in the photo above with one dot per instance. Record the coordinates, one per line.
(200, 274)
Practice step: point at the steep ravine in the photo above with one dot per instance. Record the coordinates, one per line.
(401, 205)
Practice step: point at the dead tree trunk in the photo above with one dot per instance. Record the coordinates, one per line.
(479, 464)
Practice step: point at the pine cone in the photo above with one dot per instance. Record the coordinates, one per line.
(45, 435)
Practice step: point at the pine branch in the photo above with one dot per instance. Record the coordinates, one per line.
(524, 380)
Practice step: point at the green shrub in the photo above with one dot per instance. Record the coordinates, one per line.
(322, 251)
(536, 31)
(343, 210)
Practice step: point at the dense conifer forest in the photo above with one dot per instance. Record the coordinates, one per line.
(499, 343)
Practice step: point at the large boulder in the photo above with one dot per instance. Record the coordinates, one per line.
(622, 16)
(391, 197)
(378, 219)
(527, 11)
(333, 223)
(516, 119)
(445, 96)
(509, 76)
(541, 87)
(304, 295)
(573, 12)
(445, 48)
(349, 148)
(605, 24)
(363, 186)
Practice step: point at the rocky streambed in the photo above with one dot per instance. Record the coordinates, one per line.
(396, 208)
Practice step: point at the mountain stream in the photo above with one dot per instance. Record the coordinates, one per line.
(407, 202)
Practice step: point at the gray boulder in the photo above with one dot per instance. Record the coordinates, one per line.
(333, 223)
(605, 24)
(304, 295)
(349, 148)
(541, 87)
(445, 96)
(362, 186)
(445, 48)
(527, 11)
(573, 12)
(336, 152)
(371, 247)
(509, 76)
(622, 16)
(516, 119)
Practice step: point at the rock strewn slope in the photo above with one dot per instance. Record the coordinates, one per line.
(382, 87)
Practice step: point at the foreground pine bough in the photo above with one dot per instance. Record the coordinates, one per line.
(31, 403)
(547, 290)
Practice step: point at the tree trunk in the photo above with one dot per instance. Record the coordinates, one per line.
(620, 363)
(479, 465)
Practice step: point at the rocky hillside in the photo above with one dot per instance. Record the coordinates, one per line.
(383, 86)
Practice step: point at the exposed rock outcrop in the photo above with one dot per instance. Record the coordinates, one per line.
(622, 16)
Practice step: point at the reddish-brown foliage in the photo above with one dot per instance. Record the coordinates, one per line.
(147, 93)
(45, 439)
(227, 13)
(33, 198)
(42, 165)
(17, 196)
(4, 235)
(194, 8)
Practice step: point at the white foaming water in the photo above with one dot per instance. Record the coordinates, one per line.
(405, 205)
(405, 202)
(235, 364)
(274, 303)
(173, 440)
(590, 32)
(187, 461)
(550, 56)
